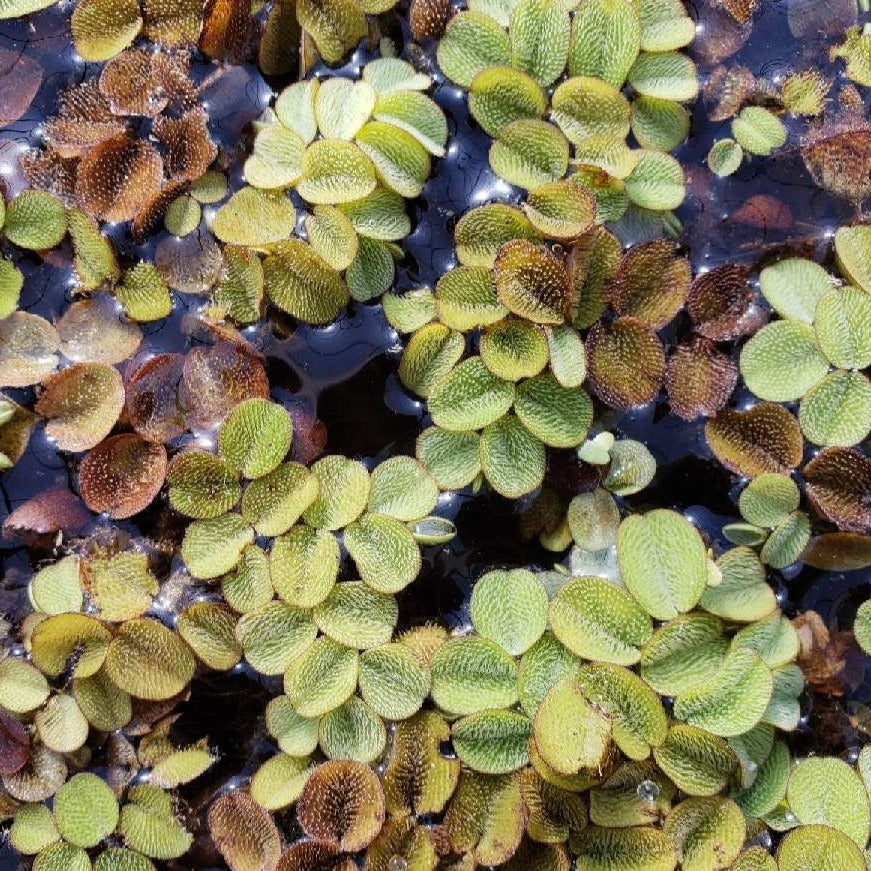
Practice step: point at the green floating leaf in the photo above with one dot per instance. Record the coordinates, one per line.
(599, 621)
(473, 674)
(343, 494)
(321, 678)
(501, 94)
(56, 588)
(513, 349)
(272, 636)
(402, 488)
(774, 639)
(295, 735)
(332, 235)
(640, 847)
(787, 541)
(665, 25)
(558, 416)
(539, 32)
(408, 312)
(23, 687)
(725, 157)
(343, 106)
(561, 209)
(416, 114)
(758, 131)
(827, 791)
(543, 665)
(528, 153)
(430, 355)
(659, 124)
(769, 787)
(842, 321)
(782, 361)
(273, 503)
(667, 75)
(472, 42)
(303, 284)
(295, 108)
(35, 220)
(606, 39)
(743, 595)
(385, 552)
(208, 628)
(379, 215)
(279, 782)
(276, 159)
(11, 282)
(144, 293)
(483, 230)
(510, 608)
(335, 171)
(663, 562)
(33, 829)
(240, 290)
(733, 700)
(335, 25)
(698, 762)
(469, 397)
(656, 182)
(466, 298)
(584, 106)
(254, 217)
(372, 271)
(353, 731)
(851, 253)
(452, 458)
(357, 616)
(708, 832)
(593, 519)
(492, 742)
(569, 732)
(567, 356)
(512, 459)
(85, 810)
(768, 499)
(392, 681)
(794, 287)
(202, 485)
(862, 626)
(683, 653)
(387, 74)
(56, 640)
(213, 547)
(819, 848)
(636, 794)
(401, 162)
(148, 826)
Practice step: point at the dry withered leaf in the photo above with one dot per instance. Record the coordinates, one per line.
(278, 51)
(719, 35)
(625, 362)
(131, 85)
(821, 653)
(187, 148)
(700, 379)
(46, 170)
(83, 119)
(727, 89)
(225, 27)
(116, 176)
(216, 379)
(428, 18)
(14, 744)
(764, 212)
(342, 803)
(741, 10)
(838, 484)
(314, 856)
(153, 403)
(151, 212)
(122, 475)
(651, 283)
(720, 304)
(40, 519)
(838, 551)
(765, 438)
(244, 833)
(21, 76)
(309, 436)
(838, 157)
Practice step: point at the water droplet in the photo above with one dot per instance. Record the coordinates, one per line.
(790, 817)
(648, 791)
(397, 863)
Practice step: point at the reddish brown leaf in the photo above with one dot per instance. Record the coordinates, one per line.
(153, 404)
(46, 170)
(838, 551)
(428, 18)
(700, 379)
(741, 10)
(14, 744)
(651, 283)
(838, 484)
(187, 148)
(244, 832)
(315, 856)
(821, 653)
(278, 52)
(122, 475)
(726, 90)
(225, 26)
(720, 304)
(191, 264)
(21, 76)
(765, 213)
(151, 212)
(83, 119)
(626, 362)
(216, 379)
(116, 176)
(131, 85)
(309, 436)
(838, 157)
(766, 438)
(40, 519)
(719, 35)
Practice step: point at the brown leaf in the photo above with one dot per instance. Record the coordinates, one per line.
(46, 170)
(39, 519)
(315, 856)
(726, 91)
(83, 119)
(14, 744)
(428, 18)
(225, 27)
(700, 379)
(838, 158)
(838, 484)
(153, 404)
(244, 833)
(131, 84)
(188, 150)
(838, 551)
(21, 76)
(765, 213)
(821, 653)
(721, 305)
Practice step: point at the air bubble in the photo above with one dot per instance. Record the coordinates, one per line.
(397, 863)
(648, 791)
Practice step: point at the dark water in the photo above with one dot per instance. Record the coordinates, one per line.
(346, 373)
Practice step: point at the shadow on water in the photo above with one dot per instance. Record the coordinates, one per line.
(346, 373)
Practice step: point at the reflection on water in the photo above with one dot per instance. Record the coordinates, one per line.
(345, 373)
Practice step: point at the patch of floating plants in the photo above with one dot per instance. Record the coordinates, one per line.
(629, 687)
